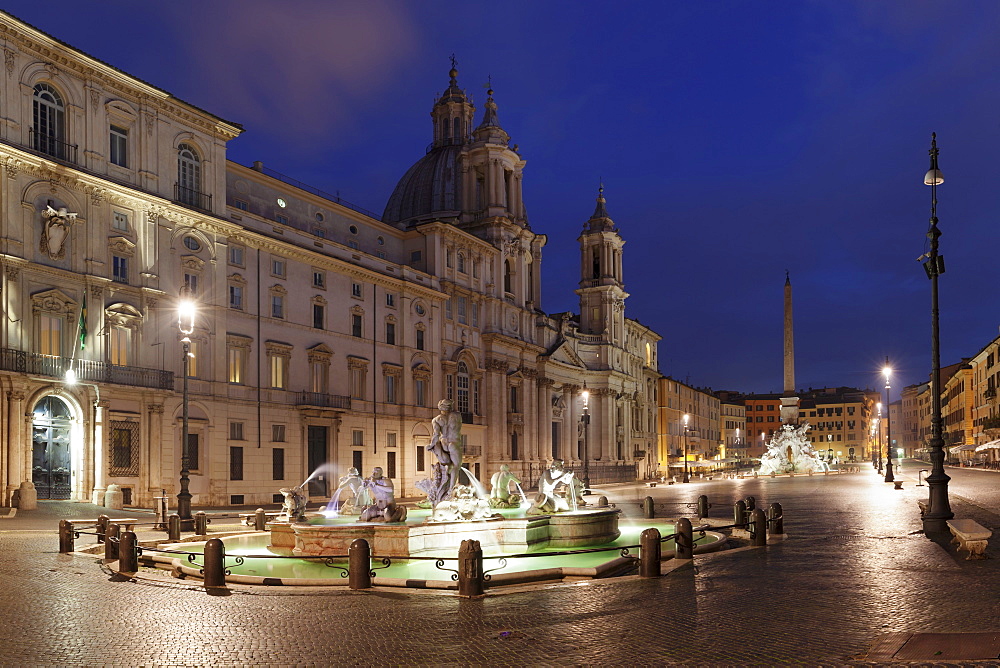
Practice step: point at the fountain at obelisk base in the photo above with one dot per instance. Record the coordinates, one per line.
(791, 452)
(458, 511)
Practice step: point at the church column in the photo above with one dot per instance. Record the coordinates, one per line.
(529, 391)
(570, 420)
(543, 444)
(609, 429)
(497, 435)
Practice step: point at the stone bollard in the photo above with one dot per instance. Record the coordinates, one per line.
(648, 511)
(684, 540)
(751, 503)
(201, 523)
(777, 524)
(128, 555)
(101, 527)
(27, 496)
(113, 497)
(602, 502)
(111, 542)
(214, 570)
(66, 536)
(471, 583)
(702, 506)
(740, 513)
(758, 528)
(259, 520)
(174, 527)
(649, 553)
(359, 564)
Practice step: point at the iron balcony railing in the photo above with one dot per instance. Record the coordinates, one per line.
(323, 400)
(53, 146)
(192, 197)
(88, 371)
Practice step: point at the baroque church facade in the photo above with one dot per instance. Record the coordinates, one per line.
(324, 334)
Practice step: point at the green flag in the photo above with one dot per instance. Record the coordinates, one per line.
(82, 333)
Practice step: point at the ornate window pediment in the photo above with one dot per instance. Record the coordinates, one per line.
(278, 348)
(319, 353)
(318, 299)
(192, 262)
(123, 315)
(390, 369)
(278, 289)
(121, 246)
(53, 301)
(354, 362)
(421, 371)
(237, 279)
(238, 341)
(357, 310)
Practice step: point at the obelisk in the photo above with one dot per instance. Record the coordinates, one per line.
(789, 402)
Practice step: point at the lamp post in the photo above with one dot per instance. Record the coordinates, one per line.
(888, 424)
(879, 442)
(585, 418)
(686, 478)
(185, 323)
(938, 509)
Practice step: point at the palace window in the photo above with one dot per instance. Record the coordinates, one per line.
(49, 122)
(188, 175)
(119, 146)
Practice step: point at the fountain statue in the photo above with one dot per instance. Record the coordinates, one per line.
(350, 495)
(446, 444)
(463, 505)
(294, 507)
(559, 490)
(791, 452)
(383, 506)
(500, 494)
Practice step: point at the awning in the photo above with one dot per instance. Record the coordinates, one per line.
(962, 448)
(992, 445)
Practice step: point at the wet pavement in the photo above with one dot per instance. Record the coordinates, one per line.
(854, 582)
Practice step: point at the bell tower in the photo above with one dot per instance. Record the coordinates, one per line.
(602, 290)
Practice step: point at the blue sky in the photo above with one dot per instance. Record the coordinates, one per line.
(735, 140)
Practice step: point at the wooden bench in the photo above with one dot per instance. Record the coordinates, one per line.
(970, 535)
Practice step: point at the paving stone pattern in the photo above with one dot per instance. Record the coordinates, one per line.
(853, 569)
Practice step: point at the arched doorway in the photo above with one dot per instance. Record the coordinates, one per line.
(50, 449)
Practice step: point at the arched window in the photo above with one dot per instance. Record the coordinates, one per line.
(461, 263)
(462, 383)
(444, 128)
(507, 277)
(188, 175)
(48, 127)
(458, 128)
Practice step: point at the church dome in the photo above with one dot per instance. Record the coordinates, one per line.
(429, 189)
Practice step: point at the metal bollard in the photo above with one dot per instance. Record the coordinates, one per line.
(128, 555)
(201, 523)
(703, 506)
(101, 527)
(259, 520)
(740, 512)
(751, 503)
(214, 570)
(66, 536)
(111, 542)
(649, 553)
(758, 528)
(777, 523)
(647, 508)
(359, 564)
(471, 581)
(684, 540)
(174, 527)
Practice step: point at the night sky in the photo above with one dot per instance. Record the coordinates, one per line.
(735, 140)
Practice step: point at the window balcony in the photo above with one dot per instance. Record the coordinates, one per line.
(87, 371)
(53, 146)
(323, 400)
(192, 198)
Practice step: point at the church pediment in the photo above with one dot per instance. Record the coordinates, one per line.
(565, 354)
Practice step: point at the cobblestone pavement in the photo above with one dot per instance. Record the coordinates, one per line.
(853, 569)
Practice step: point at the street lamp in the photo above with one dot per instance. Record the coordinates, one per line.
(879, 442)
(888, 424)
(585, 418)
(185, 323)
(686, 478)
(938, 509)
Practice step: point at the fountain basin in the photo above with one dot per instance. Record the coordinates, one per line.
(319, 536)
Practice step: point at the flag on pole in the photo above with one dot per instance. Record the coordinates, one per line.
(82, 333)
